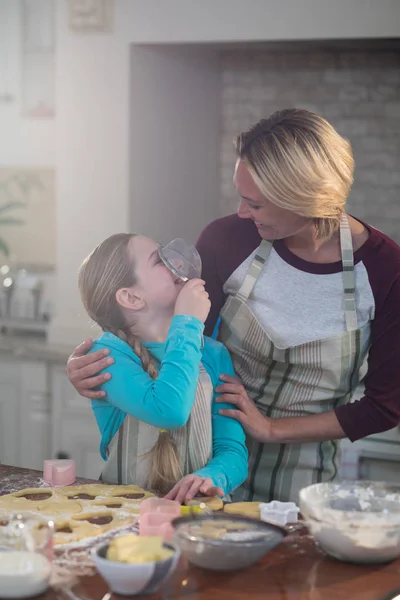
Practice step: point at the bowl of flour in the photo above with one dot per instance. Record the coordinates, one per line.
(354, 521)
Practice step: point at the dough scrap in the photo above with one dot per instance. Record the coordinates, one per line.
(245, 509)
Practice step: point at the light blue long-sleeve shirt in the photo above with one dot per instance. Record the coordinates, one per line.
(167, 401)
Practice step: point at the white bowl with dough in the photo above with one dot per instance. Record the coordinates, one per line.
(130, 579)
(354, 521)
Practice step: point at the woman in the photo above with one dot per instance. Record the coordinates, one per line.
(310, 307)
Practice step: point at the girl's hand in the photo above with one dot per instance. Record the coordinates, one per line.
(192, 485)
(252, 421)
(193, 300)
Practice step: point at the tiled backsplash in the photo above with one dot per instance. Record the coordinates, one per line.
(358, 92)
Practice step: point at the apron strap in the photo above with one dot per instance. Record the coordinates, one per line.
(349, 279)
(254, 271)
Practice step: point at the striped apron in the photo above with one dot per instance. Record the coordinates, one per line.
(128, 461)
(308, 379)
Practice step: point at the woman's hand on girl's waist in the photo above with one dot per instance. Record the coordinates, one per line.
(253, 422)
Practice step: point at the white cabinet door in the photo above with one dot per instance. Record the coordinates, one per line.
(24, 414)
(9, 413)
(74, 428)
(376, 457)
(35, 415)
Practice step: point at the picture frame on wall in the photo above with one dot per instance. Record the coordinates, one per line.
(38, 58)
(9, 63)
(90, 15)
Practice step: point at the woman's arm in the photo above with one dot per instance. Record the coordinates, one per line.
(379, 409)
(286, 430)
(165, 402)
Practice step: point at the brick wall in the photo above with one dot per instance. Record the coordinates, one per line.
(358, 92)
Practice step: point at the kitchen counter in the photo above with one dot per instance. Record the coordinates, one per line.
(295, 570)
(30, 348)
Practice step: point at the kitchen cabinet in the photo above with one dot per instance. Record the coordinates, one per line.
(24, 413)
(41, 416)
(35, 414)
(376, 457)
(74, 429)
(9, 409)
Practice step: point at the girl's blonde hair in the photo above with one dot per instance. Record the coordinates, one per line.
(105, 271)
(300, 163)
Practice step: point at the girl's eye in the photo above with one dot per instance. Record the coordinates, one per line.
(254, 207)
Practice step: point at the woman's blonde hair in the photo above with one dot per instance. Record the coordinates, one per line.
(300, 163)
(105, 271)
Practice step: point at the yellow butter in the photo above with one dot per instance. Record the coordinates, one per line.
(136, 549)
(188, 510)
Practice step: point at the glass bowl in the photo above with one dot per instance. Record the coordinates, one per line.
(225, 542)
(26, 548)
(354, 521)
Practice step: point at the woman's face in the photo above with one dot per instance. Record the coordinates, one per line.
(272, 222)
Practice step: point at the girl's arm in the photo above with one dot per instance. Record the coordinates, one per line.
(228, 467)
(165, 402)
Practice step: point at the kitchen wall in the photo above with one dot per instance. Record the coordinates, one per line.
(358, 91)
(90, 143)
(24, 141)
(27, 149)
(96, 103)
(175, 131)
(211, 21)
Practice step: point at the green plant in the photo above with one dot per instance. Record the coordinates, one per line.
(6, 220)
(14, 193)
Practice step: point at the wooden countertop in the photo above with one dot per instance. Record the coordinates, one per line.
(295, 570)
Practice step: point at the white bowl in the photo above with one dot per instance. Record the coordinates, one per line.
(132, 579)
(354, 521)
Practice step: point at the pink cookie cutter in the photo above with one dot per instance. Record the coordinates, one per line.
(156, 516)
(156, 524)
(59, 472)
(160, 505)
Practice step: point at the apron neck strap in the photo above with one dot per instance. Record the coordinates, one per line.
(349, 279)
(254, 270)
(349, 287)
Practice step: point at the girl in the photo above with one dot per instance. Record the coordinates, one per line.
(159, 422)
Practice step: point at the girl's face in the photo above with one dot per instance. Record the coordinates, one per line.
(156, 288)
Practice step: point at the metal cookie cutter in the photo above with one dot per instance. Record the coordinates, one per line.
(280, 513)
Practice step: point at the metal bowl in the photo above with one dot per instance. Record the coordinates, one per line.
(225, 542)
(354, 521)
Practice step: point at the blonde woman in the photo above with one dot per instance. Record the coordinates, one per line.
(309, 299)
(159, 422)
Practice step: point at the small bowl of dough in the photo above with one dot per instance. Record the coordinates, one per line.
(223, 542)
(354, 521)
(133, 564)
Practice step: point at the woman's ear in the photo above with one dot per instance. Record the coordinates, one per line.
(127, 298)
